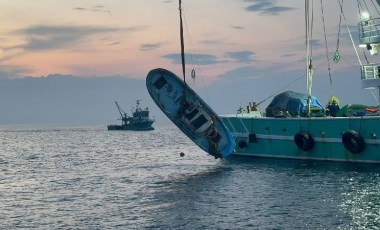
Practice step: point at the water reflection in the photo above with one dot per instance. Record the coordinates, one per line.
(273, 193)
(91, 178)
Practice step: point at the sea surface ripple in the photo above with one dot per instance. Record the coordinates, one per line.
(85, 177)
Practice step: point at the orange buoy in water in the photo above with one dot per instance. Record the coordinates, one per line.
(182, 154)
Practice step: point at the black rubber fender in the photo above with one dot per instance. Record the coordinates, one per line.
(304, 141)
(252, 138)
(353, 141)
(242, 144)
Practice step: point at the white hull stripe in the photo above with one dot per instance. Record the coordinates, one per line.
(241, 122)
(305, 158)
(230, 125)
(291, 138)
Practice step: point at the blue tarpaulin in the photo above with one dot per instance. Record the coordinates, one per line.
(292, 104)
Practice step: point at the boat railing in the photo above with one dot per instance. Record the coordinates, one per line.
(371, 71)
(369, 31)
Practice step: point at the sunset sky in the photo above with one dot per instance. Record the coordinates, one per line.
(100, 38)
(229, 40)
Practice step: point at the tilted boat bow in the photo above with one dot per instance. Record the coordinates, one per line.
(189, 113)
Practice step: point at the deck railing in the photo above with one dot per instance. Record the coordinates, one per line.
(370, 71)
(369, 31)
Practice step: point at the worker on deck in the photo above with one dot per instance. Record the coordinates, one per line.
(332, 107)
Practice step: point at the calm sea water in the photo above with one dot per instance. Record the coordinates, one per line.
(90, 178)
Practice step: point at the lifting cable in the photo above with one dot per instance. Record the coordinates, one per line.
(349, 32)
(327, 51)
(336, 57)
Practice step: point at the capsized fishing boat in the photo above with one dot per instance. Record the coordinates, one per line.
(296, 126)
(187, 110)
(139, 121)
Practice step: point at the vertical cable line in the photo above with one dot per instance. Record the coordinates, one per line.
(327, 51)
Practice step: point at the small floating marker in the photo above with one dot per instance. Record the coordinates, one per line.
(182, 154)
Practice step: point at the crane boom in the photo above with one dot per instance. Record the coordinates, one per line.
(122, 113)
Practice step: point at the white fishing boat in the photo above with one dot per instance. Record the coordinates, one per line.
(187, 110)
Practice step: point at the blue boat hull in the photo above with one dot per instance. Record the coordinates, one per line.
(144, 127)
(189, 113)
(277, 137)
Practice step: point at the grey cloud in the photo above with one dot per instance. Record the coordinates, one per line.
(210, 42)
(44, 37)
(238, 27)
(267, 7)
(79, 8)
(316, 43)
(94, 8)
(114, 43)
(239, 73)
(13, 71)
(250, 71)
(288, 55)
(150, 46)
(97, 8)
(240, 56)
(202, 59)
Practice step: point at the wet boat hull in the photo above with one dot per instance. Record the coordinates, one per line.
(130, 127)
(277, 137)
(171, 95)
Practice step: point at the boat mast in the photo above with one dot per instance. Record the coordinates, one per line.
(182, 43)
(309, 65)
